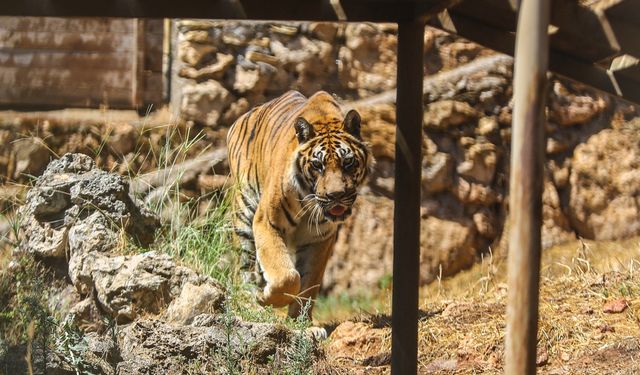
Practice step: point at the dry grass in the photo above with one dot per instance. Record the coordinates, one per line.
(462, 329)
(577, 279)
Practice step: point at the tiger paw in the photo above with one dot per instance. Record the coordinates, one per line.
(318, 333)
(281, 291)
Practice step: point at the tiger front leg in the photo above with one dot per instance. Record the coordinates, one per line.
(311, 263)
(283, 281)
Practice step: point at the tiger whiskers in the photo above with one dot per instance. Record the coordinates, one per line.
(317, 215)
(306, 206)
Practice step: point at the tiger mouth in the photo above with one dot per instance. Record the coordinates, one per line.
(337, 212)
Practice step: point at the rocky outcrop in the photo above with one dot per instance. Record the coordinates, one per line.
(79, 213)
(72, 197)
(219, 344)
(164, 316)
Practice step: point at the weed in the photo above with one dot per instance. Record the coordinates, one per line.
(298, 356)
(71, 345)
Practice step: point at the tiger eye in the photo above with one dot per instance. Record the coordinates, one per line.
(348, 162)
(316, 164)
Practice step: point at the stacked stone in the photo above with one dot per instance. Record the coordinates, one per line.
(466, 151)
(224, 68)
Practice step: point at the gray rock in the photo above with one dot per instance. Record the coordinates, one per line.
(69, 192)
(194, 300)
(151, 346)
(438, 176)
(70, 163)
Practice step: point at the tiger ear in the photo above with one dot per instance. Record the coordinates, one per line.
(304, 130)
(352, 123)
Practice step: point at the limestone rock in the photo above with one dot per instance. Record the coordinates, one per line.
(194, 300)
(480, 163)
(215, 70)
(363, 252)
(325, 31)
(446, 244)
(70, 191)
(485, 223)
(194, 53)
(356, 340)
(473, 193)
(121, 138)
(367, 59)
(151, 346)
(438, 176)
(197, 36)
(204, 103)
(253, 80)
(556, 228)
(82, 212)
(235, 110)
(487, 125)
(570, 108)
(257, 57)
(187, 25)
(43, 238)
(125, 286)
(86, 315)
(448, 113)
(605, 185)
(362, 255)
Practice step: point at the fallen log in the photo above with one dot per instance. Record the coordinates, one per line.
(178, 173)
(442, 85)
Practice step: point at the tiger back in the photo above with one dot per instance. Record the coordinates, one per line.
(298, 163)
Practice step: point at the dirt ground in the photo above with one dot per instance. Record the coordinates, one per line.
(589, 318)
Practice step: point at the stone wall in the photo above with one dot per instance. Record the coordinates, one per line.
(591, 184)
(221, 69)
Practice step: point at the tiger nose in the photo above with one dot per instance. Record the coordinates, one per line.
(340, 193)
(336, 194)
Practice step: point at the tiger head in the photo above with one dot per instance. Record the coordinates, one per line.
(331, 163)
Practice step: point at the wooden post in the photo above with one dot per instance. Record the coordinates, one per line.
(526, 184)
(406, 220)
(137, 68)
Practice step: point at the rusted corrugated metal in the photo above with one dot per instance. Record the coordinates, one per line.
(81, 62)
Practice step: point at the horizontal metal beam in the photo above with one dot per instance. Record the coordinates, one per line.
(285, 10)
(572, 22)
(561, 63)
(624, 17)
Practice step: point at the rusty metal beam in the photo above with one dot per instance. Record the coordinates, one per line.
(406, 229)
(525, 188)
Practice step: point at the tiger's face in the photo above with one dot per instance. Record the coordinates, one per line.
(332, 162)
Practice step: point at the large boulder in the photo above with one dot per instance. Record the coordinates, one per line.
(605, 185)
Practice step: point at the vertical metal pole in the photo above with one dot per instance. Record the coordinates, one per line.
(525, 191)
(406, 221)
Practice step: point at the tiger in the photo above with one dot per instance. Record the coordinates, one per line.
(298, 164)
